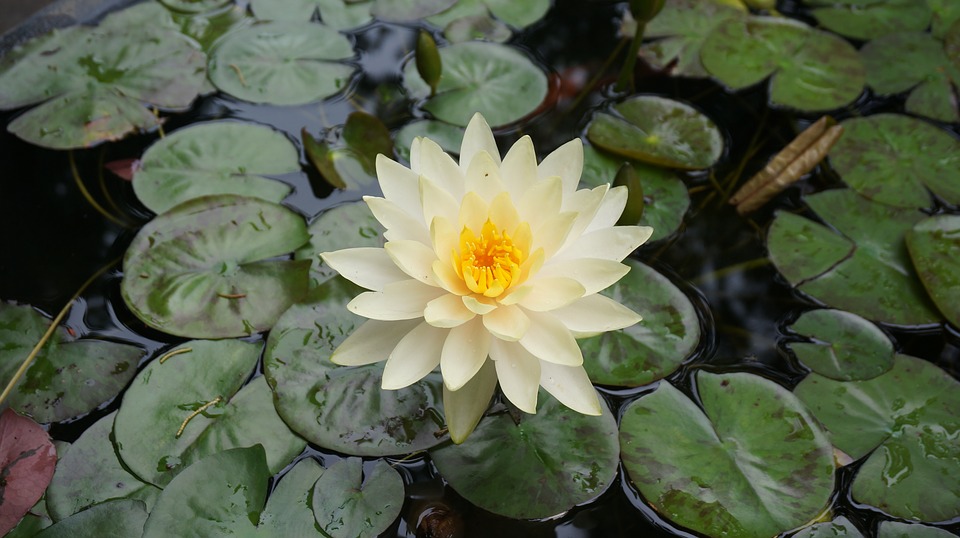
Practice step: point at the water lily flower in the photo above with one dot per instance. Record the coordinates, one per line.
(491, 270)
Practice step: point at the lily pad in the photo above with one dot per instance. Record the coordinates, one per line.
(895, 529)
(203, 269)
(651, 349)
(498, 81)
(27, 460)
(839, 527)
(934, 245)
(945, 14)
(811, 70)
(345, 226)
(889, 158)
(282, 63)
(344, 408)
(351, 162)
(347, 506)
(659, 131)
(447, 136)
(194, 6)
(187, 407)
(119, 517)
(91, 473)
(209, 27)
(289, 512)
(664, 194)
(906, 421)
(844, 346)
(752, 462)
(870, 19)
(540, 467)
(215, 158)
(866, 270)
(477, 28)
(337, 14)
(68, 377)
(682, 26)
(408, 10)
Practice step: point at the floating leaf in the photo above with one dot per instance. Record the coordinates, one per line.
(516, 14)
(752, 462)
(408, 10)
(348, 507)
(934, 245)
(866, 270)
(320, 156)
(367, 136)
(652, 348)
(194, 6)
(27, 461)
(338, 14)
(906, 421)
(289, 512)
(844, 347)
(214, 158)
(281, 63)
(68, 377)
(895, 529)
(540, 467)
(351, 164)
(869, 19)
(209, 27)
(345, 226)
(945, 14)
(839, 527)
(445, 135)
(203, 269)
(477, 28)
(119, 517)
(498, 81)
(683, 26)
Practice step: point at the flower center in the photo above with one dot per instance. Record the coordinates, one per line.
(487, 263)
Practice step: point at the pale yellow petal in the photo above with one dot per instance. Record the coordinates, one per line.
(400, 185)
(371, 342)
(607, 244)
(507, 322)
(367, 267)
(415, 154)
(464, 352)
(447, 311)
(477, 138)
(399, 224)
(585, 203)
(595, 314)
(504, 213)
(413, 258)
(440, 168)
(474, 211)
(477, 306)
(565, 162)
(541, 202)
(519, 169)
(447, 278)
(437, 202)
(549, 340)
(550, 293)
(593, 273)
(518, 372)
(611, 207)
(553, 233)
(483, 176)
(399, 300)
(415, 356)
(571, 386)
(464, 408)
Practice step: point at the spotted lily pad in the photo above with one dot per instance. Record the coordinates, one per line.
(682, 26)
(289, 511)
(934, 245)
(348, 505)
(869, 19)
(345, 226)
(282, 63)
(69, 377)
(866, 270)
(338, 14)
(906, 420)
(659, 131)
(214, 158)
(203, 269)
(839, 527)
(540, 467)
(498, 81)
(119, 517)
(752, 462)
(843, 346)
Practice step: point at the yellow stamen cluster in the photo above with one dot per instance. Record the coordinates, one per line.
(488, 263)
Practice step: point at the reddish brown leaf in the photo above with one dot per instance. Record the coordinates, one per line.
(27, 461)
(123, 168)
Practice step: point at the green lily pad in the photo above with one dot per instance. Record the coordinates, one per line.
(289, 512)
(337, 14)
(811, 70)
(889, 158)
(91, 473)
(214, 158)
(844, 346)
(945, 14)
(866, 270)
(752, 462)
(498, 81)
(68, 377)
(345, 226)
(281, 63)
(203, 269)
(207, 28)
(220, 495)
(540, 467)
(870, 19)
(895, 529)
(839, 527)
(651, 349)
(120, 517)
(343, 408)
(347, 506)
(194, 6)
(683, 26)
(659, 131)
(351, 162)
(408, 10)
(158, 433)
(934, 245)
(447, 136)
(477, 28)
(664, 194)
(906, 421)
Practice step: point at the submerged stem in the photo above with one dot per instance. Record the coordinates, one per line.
(90, 199)
(103, 184)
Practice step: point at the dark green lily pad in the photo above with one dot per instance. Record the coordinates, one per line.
(895, 529)
(347, 506)
(866, 270)
(289, 512)
(752, 462)
(68, 377)
(839, 527)
(345, 226)
(683, 26)
(664, 194)
(811, 70)
(934, 246)
(194, 6)
(91, 473)
(221, 495)
(658, 130)
(889, 158)
(214, 158)
(870, 19)
(343, 408)
(120, 517)
(282, 63)
(447, 136)
(945, 14)
(541, 467)
(498, 81)
(156, 440)
(651, 349)
(338, 14)
(906, 421)
(203, 269)
(844, 346)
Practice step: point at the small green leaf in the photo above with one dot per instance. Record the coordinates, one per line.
(934, 245)
(683, 26)
(870, 19)
(896, 529)
(289, 512)
(408, 10)
(121, 517)
(844, 347)
(338, 14)
(428, 61)
(194, 6)
(348, 506)
(321, 158)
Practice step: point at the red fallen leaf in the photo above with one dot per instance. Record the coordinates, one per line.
(27, 461)
(123, 168)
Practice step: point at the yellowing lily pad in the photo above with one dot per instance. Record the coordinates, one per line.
(934, 245)
(843, 346)
(869, 19)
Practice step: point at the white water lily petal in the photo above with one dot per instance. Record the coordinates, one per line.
(440, 168)
(464, 408)
(593, 274)
(550, 293)
(519, 374)
(565, 162)
(413, 258)
(507, 322)
(571, 386)
(399, 224)
(586, 203)
(483, 177)
(447, 311)
(464, 352)
(519, 168)
(549, 340)
(367, 267)
(437, 202)
(541, 202)
(595, 314)
(611, 207)
(415, 356)
(504, 213)
(554, 233)
(371, 342)
(399, 300)
(415, 155)
(607, 244)
(474, 211)
(477, 138)
(477, 306)
(400, 185)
